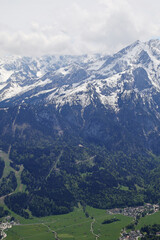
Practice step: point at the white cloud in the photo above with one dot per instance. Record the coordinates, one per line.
(40, 27)
(34, 44)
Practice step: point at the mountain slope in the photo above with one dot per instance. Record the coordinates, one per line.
(125, 86)
(83, 127)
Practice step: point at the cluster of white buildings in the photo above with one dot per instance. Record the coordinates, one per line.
(6, 224)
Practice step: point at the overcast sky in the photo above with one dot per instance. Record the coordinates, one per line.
(39, 27)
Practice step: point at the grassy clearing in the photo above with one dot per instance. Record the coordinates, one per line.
(108, 231)
(20, 187)
(30, 232)
(69, 226)
(124, 188)
(149, 220)
(138, 187)
(72, 226)
(7, 161)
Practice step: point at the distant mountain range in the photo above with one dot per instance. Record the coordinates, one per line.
(74, 80)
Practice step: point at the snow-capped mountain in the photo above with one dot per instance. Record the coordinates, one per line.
(19, 75)
(75, 79)
(109, 98)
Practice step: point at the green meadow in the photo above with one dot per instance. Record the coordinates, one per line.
(149, 220)
(30, 232)
(74, 225)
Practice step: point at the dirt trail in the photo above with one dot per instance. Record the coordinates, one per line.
(55, 234)
(92, 230)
